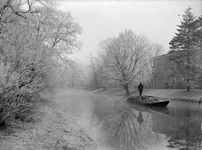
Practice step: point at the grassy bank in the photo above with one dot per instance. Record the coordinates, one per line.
(52, 129)
(172, 94)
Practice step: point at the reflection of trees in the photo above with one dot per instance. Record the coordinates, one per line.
(124, 130)
(185, 131)
(121, 129)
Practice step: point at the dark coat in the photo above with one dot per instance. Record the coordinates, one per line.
(140, 87)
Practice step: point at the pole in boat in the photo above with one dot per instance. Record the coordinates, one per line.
(126, 96)
(199, 102)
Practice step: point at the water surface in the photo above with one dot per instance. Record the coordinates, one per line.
(123, 126)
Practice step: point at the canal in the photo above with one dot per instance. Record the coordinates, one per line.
(123, 126)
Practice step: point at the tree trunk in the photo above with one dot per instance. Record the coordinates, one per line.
(188, 76)
(188, 62)
(126, 88)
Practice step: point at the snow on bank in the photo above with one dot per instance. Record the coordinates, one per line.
(53, 130)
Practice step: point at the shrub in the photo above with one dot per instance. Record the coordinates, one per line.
(20, 94)
(16, 105)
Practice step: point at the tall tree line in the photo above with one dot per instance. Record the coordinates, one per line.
(34, 38)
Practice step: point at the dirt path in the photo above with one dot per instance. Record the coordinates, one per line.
(53, 130)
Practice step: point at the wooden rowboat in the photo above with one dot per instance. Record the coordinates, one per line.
(148, 101)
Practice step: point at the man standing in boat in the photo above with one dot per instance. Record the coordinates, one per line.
(140, 88)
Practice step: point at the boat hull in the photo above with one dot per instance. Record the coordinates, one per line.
(163, 110)
(148, 101)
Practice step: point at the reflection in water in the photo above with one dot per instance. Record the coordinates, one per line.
(126, 129)
(122, 131)
(140, 118)
(136, 127)
(184, 129)
(133, 127)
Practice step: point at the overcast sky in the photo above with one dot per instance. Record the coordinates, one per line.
(155, 19)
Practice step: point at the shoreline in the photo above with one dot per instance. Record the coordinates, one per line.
(53, 129)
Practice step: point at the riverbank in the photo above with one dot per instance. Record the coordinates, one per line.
(172, 94)
(52, 129)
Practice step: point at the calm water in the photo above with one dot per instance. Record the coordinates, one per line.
(121, 126)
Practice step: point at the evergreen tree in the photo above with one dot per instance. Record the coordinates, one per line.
(185, 41)
(199, 38)
(199, 46)
(199, 32)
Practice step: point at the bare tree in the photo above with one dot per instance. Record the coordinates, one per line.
(33, 37)
(32, 31)
(123, 56)
(98, 73)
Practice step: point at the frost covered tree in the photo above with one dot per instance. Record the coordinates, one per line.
(34, 38)
(123, 57)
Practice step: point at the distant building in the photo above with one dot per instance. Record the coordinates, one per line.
(159, 71)
(161, 78)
